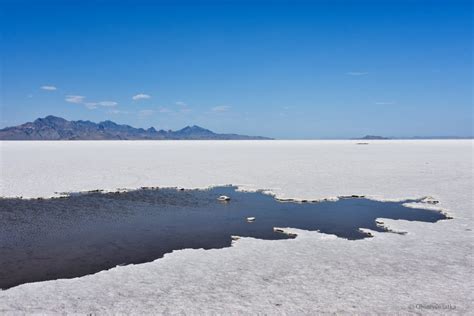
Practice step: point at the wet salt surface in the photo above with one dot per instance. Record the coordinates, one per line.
(90, 232)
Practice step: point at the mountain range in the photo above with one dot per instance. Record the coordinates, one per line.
(57, 128)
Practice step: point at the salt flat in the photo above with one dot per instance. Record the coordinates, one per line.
(389, 273)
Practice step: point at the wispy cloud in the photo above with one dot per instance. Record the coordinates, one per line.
(221, 108)
(103, 103)
(385, 102)
(183, 107)
(146, 112)
(90, 105)
(164, 110)
(78, 99)
(48, 88)
(357, 73)
(115, 111)
(141, 96)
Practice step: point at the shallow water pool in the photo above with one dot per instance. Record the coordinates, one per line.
(85, 233)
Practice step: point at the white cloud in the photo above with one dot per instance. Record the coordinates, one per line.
(221, 108)
(49, 88)
(78, 99)
(181, 103)
(357, 73)
(385, 102)
(107, 103)
(141, 96)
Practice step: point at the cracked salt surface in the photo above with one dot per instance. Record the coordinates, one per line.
(313, 273)
(49, 239)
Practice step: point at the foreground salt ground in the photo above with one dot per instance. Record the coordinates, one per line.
(431, 266)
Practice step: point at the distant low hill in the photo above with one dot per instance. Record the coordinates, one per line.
(57, 128)
(371, 137)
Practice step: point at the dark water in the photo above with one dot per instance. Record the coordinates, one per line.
(87, 233)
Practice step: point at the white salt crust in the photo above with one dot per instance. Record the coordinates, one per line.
(314, 273)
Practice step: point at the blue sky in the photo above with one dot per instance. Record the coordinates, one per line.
(313, 69)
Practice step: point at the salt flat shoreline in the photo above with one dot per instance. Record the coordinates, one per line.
(312, 273)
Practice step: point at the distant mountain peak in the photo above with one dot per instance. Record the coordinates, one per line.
(56, 128)
(194, 129)
(51, 118)
(108, 123)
